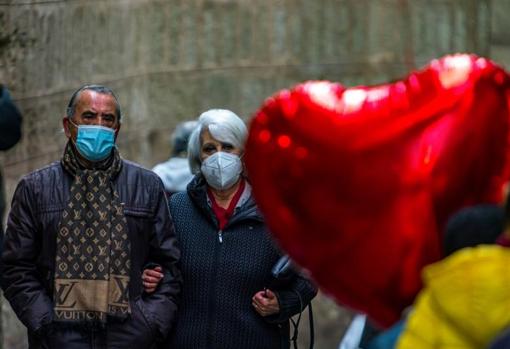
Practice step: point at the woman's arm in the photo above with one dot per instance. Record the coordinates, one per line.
(293, 298)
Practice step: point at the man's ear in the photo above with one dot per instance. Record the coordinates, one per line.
(117, 131)
(65, 125)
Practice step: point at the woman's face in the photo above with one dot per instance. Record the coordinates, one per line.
(210, 145)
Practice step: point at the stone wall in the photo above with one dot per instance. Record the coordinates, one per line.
(169, 60)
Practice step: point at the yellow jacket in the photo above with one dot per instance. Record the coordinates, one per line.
(465, 302)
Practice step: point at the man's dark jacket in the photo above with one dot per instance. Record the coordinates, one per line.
(30, 243)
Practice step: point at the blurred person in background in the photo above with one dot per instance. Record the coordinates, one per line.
(502, 341)
(79, 233)
(227, 251)
(10, 134)
(469, 227)
(175, 173)
(465, 299)
(473, 226)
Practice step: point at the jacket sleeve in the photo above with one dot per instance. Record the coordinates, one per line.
(21, 281)
(422, 325)
(293, 299)
(427, 328)
(10, 121)
(161, 305)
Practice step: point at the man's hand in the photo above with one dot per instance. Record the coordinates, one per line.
(265, 303)
(151, 279)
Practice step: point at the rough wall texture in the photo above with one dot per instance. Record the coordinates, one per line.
(169, 60)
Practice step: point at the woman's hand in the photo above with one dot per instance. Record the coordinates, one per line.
(265, 303)
(151, 279)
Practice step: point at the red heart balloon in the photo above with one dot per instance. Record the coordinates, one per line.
(356, 184)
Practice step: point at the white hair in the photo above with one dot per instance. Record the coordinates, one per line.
(224, 125)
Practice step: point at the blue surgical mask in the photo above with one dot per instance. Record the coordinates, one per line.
(94, 143)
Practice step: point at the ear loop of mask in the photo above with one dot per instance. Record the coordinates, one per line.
(76, 127)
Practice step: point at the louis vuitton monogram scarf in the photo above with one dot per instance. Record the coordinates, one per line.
(93, 249)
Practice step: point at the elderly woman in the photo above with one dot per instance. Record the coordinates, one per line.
(227, 252)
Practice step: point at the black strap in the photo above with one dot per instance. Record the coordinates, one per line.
(310, 321)
(295, 324)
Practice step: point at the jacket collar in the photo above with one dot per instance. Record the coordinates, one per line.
(197, 191)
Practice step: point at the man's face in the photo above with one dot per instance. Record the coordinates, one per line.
(92, 108)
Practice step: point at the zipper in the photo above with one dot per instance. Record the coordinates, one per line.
(211, 319)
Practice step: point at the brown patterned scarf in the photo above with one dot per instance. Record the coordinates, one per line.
(93, 249)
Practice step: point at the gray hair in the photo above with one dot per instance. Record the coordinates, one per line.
(224, 125)
(71, 106)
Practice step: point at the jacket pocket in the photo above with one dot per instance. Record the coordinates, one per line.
(140, 212)
(140, 225)
(146, 317)
(140, 220)
(50, 208)
(135, 332)
(50, 217)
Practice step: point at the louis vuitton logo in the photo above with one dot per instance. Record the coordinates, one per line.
(63, 292)
(102, 250)
(102, 181)
(123, 289)
(102, 215)
(118, 245)
(77, 215)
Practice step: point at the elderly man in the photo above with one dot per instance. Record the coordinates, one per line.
(79, 233)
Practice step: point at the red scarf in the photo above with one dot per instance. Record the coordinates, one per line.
(222, 214)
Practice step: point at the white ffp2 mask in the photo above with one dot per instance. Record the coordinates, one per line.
(222, 170)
